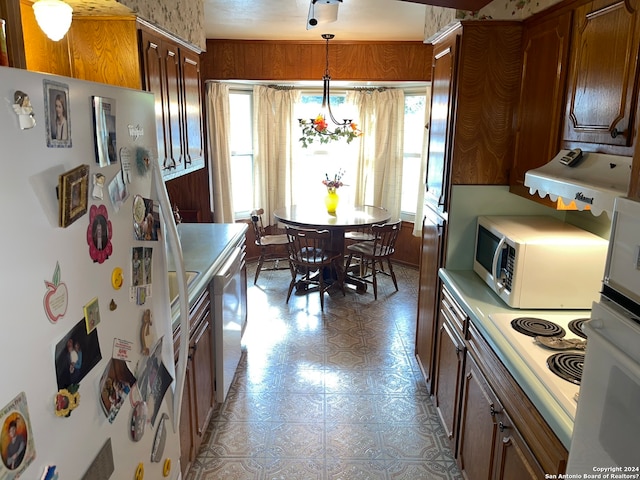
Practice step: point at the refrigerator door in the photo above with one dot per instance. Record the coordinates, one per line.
(83, 282)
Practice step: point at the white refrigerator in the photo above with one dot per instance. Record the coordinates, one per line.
(89, 383)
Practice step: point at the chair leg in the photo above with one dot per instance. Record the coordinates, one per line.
(375, 279)
(260, 263)
(293, 281)
(321, 281)
(393, 275)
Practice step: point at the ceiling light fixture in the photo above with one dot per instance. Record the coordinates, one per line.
(322, 11)
(53, 17)
(318, 127)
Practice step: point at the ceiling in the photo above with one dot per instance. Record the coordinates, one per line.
(384, 20)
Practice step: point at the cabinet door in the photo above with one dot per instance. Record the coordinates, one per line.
(478, 426)
(539, 127)
(442, 88)
(192, 128)
(171, 64)
(202, 364)
(602, 76)
(154, 82)
(449, 365)
(513, 457)
(431, 258)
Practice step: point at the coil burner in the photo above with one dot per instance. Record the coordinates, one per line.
(576, 326)
(567, 365)
(537, 327)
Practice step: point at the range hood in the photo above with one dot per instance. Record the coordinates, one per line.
(593, 182)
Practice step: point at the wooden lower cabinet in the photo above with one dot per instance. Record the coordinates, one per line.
(478, 425)
(513, 459)
(495, 431)
(198, 399)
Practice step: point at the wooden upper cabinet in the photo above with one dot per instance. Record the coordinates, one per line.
(545, 53)
(193, 136)
(440, 125)
(172, 72)
(601, 95)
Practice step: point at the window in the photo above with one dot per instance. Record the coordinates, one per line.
(312, 164)
(414, 130)
(241, 139)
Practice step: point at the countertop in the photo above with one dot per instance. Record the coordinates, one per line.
(205, 247)
(478, 301)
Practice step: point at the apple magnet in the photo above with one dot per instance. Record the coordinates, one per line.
(56, 298)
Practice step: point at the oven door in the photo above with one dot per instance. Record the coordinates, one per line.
(607, 423)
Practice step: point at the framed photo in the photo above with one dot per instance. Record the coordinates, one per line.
(92, 314)
(73, 188)
(58, 115)
(104, 120)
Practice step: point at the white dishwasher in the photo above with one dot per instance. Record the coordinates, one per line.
(229, 293)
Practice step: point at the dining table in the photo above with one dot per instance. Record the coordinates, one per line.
(344, 219)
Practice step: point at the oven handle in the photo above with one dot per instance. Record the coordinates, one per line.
(494, 264)
(631, 365)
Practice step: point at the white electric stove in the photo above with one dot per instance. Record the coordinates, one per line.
(536, 356)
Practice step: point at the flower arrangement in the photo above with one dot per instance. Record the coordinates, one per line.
(318, 128)
(333, 185)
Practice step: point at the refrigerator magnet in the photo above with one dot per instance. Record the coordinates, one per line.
(92, 314)
(56, 297)
(66, 401)
(138, 421)
(23, 109)
(99, 234)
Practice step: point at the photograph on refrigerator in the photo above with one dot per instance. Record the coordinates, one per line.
(115, 385)
(73, 187)
(16, 440)
(76, 354)
(58, 116)
(104, 118)
(154, 380)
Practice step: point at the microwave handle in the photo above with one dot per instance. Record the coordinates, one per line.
(494, 264)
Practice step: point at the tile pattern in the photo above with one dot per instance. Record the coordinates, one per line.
(327, 396)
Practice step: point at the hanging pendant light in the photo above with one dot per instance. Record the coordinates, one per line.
(53, 17)
(319, 127)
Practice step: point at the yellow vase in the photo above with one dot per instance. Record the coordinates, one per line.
(331, 200)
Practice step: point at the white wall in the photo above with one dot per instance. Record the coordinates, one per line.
(470, 201)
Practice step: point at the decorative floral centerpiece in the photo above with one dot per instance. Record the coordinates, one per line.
(318, 128)
(333, 185)
(331, 200)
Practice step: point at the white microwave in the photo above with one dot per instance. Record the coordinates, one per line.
(539, 261)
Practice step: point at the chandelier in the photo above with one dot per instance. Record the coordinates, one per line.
(318, 128)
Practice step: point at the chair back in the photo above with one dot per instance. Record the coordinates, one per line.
(258, 226)
(385, 238)
(309, 247)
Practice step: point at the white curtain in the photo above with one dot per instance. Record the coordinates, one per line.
(218, 121)
(379, 171)
(417, 226)
(272, 147)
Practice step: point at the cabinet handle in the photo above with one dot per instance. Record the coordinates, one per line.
(492, 411)
(615, 132)
(502, 426)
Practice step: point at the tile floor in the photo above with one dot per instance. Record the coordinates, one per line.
(327, 396)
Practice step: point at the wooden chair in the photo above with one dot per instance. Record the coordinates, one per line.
(372, 254)
(312, 263)
(272, 247)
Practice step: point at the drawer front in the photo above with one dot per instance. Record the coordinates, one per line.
(453, 313)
